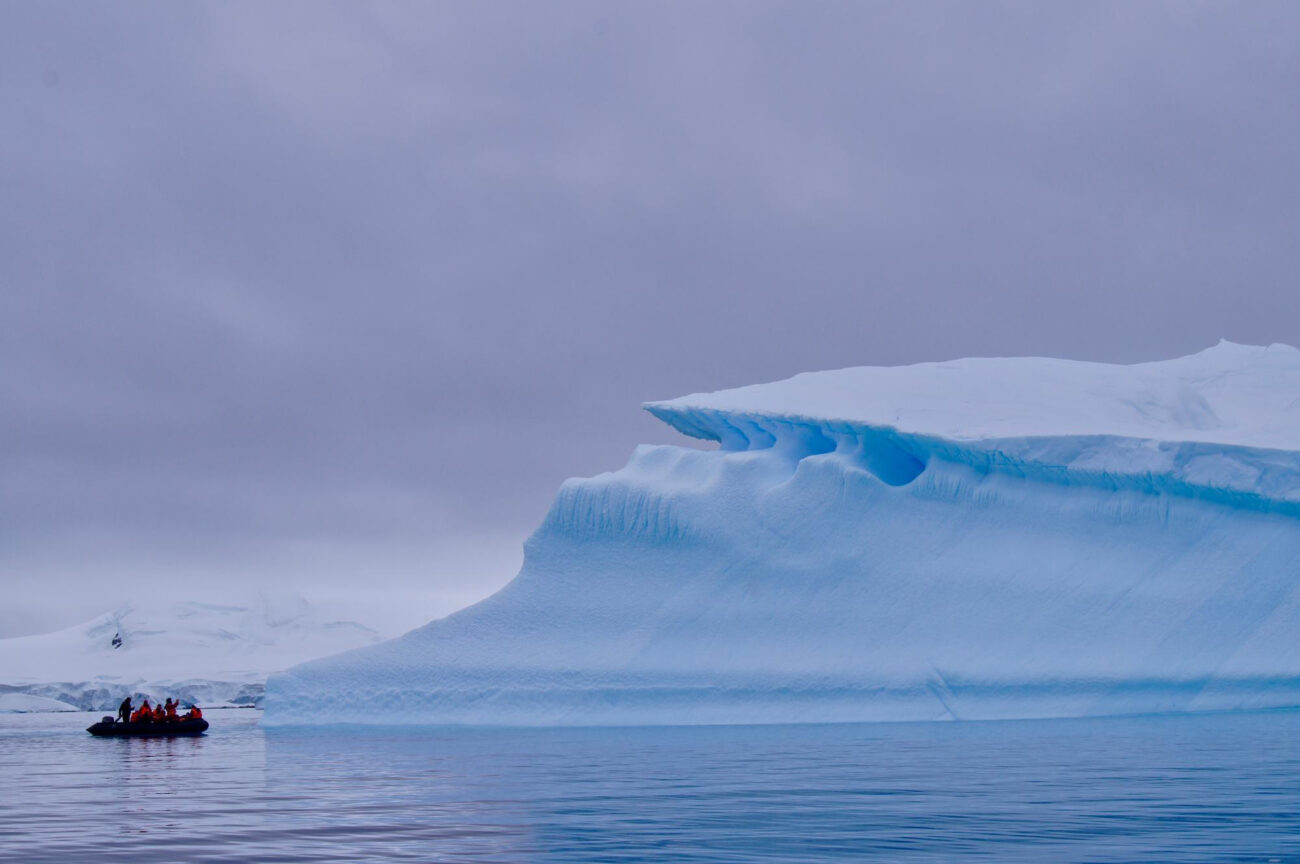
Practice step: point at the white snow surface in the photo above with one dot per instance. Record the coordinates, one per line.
(975, 539)
(1229, 394)
(26, 703)
(210, 653)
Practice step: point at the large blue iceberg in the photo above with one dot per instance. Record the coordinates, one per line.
(983, 538)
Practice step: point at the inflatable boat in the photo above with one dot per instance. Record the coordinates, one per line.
(107, 728)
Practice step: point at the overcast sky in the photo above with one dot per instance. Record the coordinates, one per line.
(332, 297)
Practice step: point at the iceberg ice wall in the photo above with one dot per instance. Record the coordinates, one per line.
(974, 539)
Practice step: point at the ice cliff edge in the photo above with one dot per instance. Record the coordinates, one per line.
(980, 538)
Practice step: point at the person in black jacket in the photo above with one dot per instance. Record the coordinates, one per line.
(124, 710)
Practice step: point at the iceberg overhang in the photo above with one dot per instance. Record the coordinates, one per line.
(1254, 477)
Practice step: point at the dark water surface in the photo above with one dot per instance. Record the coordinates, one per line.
(1199, 788)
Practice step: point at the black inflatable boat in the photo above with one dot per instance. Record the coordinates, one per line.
(106, 728)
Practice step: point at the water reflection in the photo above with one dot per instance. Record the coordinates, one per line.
(1172, 789)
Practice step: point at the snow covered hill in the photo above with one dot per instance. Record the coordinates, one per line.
(980, 538)
(213, 654)
(25, 703)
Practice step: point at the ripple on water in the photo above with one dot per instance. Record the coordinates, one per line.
(1202, 788)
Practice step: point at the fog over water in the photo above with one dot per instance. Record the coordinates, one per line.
(331, 297)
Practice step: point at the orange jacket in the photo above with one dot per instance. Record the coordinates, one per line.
(196, 713)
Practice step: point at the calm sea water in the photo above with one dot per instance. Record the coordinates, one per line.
(1202, 788)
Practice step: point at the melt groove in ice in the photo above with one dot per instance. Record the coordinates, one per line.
(982, 538)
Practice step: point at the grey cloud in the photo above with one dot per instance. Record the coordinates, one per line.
(370, 280)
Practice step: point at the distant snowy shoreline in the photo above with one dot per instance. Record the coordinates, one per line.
(212, 654)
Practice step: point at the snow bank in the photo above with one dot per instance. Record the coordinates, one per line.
(208, 653)
(25, 703)
(976, 539)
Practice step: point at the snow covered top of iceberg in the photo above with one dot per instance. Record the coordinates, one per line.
(1238, 395)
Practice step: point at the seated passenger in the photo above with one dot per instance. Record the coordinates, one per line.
(143, 714)
(158, 714)
(194, 713)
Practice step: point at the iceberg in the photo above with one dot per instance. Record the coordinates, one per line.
(980, 538)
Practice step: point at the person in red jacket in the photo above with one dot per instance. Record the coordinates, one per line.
(193, 714)
(169, 711)
(143, 714)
